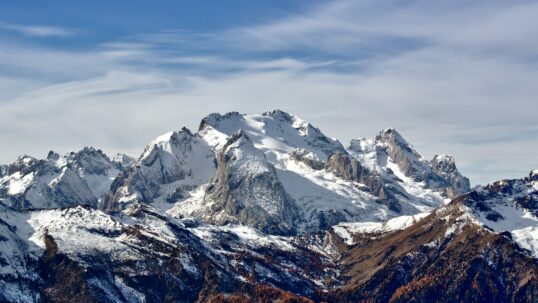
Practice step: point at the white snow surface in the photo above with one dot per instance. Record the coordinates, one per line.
(17, 183)
(72, 227)
(317, 191)
(181, 152)
(275, 133)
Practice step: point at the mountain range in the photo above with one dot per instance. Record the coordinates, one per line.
(263, 208)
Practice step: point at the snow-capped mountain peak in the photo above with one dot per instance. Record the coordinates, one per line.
(273, 171)
(275, 132)
(75, 178)
(236, 163)
(167, 170)
(392, 138)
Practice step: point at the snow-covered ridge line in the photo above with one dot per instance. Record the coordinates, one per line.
(73, 179)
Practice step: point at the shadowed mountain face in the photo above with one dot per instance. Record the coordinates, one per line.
(246, 189)
(263, 208)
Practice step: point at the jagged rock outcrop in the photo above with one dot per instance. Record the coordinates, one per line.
(403, 154)
(308, 158)
(444, 166)
(350, 168)
(412, 165)
(533, 175)
(246, 190)
(3, 170)
(381, 165)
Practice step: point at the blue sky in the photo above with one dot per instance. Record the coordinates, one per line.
(452, 76)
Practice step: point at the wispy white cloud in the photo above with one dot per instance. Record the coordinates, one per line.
(344, 27)
(40, 31)
(453, 76)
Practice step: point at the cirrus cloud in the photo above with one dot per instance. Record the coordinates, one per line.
(464, 84)
(40, 31)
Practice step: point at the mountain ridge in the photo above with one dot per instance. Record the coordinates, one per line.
(261, 208)
(281, 137)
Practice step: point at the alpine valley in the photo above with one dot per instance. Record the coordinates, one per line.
(263, 208)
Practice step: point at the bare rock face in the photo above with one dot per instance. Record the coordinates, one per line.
(308, 158)
(404, 155)
(246, 190)
(350, 168)
(444, 166)
(441, 174)
(533, 175)
(346, 167)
